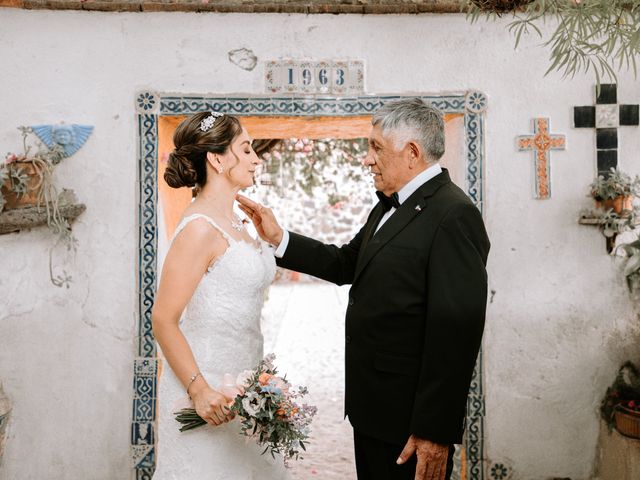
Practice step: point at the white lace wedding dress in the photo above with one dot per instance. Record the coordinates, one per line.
(222, 325)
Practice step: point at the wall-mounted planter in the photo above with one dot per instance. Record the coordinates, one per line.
(610, 231)
(618, 204)
(627, 422)
(16, 219)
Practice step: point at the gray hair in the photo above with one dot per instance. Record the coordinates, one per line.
(414, 119)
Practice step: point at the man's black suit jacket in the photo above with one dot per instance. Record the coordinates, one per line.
(415, 313)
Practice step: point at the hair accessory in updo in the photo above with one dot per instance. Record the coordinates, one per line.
(207, 123)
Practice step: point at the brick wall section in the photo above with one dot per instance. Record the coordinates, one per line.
(244, 6)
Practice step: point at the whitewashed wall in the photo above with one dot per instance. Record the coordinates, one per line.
(560, 321)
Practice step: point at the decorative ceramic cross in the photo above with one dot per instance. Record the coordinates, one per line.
(605, 116)
(541, 142)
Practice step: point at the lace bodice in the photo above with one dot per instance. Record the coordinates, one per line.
(222, 326)
(225, 307)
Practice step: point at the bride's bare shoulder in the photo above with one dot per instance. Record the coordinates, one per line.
(198, 232)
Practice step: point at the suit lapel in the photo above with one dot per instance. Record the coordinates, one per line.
(412, 207)
(376, 216)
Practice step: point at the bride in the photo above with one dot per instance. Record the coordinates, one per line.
(217, 275)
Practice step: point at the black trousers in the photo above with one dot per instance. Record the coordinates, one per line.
(376, 460)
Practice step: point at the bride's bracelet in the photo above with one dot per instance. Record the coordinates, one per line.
(193, 377)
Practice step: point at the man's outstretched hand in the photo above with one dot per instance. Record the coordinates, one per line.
(263, 219)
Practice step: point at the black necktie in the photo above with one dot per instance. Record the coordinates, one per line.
(388, 202)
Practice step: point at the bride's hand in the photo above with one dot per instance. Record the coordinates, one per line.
(263, 219)
(212, 406)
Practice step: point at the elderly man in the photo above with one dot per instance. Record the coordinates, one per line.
(417, 301)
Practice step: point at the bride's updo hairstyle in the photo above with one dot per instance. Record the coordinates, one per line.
(187, 164)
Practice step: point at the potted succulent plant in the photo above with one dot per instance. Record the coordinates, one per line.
(26, 179)
(615, 192)
(620, 407)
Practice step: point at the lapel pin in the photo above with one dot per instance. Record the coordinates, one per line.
(418, 208)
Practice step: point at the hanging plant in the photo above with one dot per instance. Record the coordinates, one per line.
(598, 36)
(27, 180)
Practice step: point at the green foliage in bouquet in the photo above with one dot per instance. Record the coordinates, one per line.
(268, 411)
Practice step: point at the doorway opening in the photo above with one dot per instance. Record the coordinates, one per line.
(299, 310)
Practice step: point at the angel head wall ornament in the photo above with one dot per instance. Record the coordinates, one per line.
(69, 138)
(207, 123)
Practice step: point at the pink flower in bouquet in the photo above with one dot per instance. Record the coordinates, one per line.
(11, 158)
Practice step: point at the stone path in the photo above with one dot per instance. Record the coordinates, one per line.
(303, 324)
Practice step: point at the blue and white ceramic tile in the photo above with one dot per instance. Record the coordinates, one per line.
(356, 77)
(499, 471)
(323, 73)
(272, 72)
(340, 78)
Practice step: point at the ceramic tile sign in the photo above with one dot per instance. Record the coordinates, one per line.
(606, 116)
(335, 77)
(541, 143)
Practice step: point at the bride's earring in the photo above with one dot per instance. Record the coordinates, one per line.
(213, 159)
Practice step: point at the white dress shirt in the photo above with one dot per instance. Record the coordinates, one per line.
(404, 193)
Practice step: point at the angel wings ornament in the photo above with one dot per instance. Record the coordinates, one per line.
(69, 137)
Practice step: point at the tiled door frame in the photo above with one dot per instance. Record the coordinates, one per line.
(149, 106)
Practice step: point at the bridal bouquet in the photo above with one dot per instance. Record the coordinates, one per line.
(268, 410)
